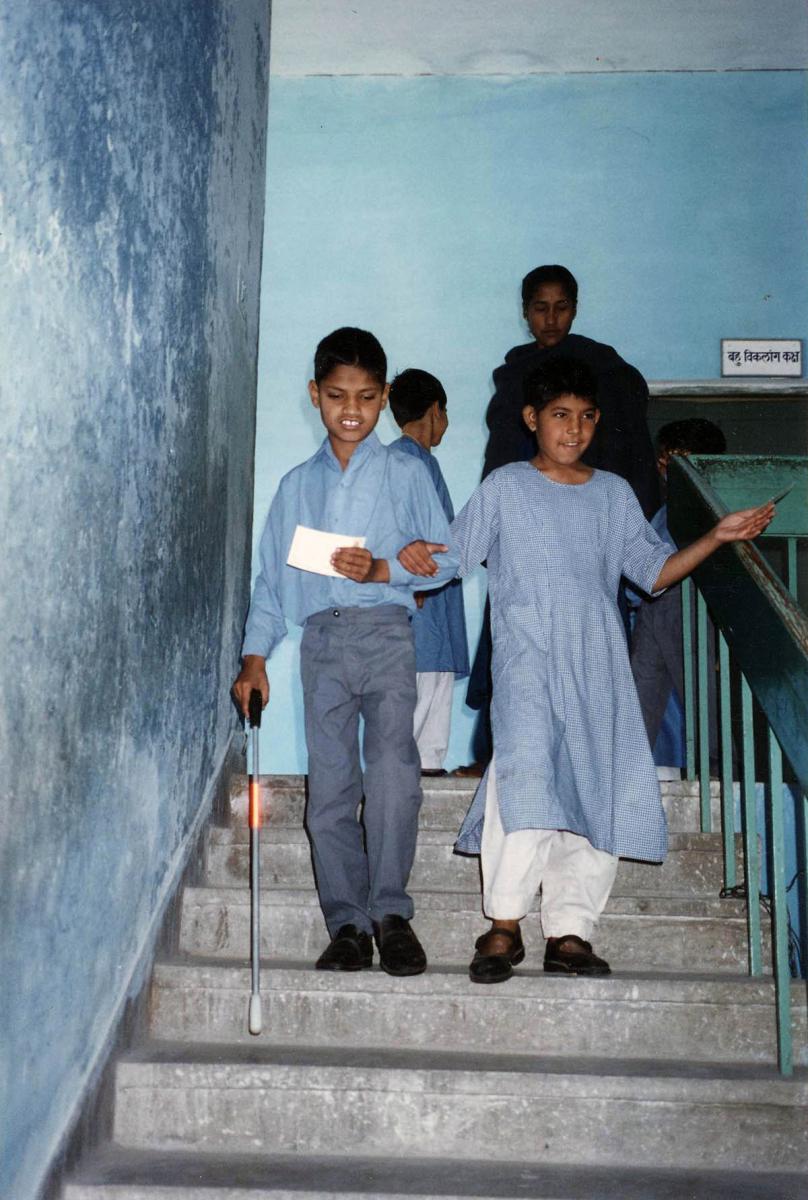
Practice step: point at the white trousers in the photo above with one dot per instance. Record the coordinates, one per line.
(575, 878)
(433, 716)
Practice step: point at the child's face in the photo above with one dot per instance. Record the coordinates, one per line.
(350, 401)
(550, 314)
(564, 428)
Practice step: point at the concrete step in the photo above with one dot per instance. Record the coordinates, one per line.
(668, 1017)
(290, 1100)
(649, 933)
(694, 865)
(447, 800)
(123, 1174)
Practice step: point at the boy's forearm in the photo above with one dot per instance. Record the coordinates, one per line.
(423, 570)
(741, 526)
(683, 562)
(379, 571)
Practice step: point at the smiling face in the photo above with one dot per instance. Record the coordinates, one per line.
(549, 313)
(350, 400)
(564, 429)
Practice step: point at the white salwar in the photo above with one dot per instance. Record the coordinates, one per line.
(433, 716)
(575, 878)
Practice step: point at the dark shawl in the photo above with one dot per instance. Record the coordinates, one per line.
(622, 443)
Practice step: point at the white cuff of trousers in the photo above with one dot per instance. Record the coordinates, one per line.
(433, 716)
(575, 878)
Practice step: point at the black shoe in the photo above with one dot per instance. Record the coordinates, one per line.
(433, 772)
(350, 949)
(571, 955)
(400, 952)
(496, 968)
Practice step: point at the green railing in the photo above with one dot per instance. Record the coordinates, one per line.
(760, 655)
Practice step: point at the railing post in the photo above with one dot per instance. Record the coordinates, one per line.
(751, 845)
(702, 666)
(727, 791)
(777, 889)
(791, 565)
(801, 823)
(689, 697)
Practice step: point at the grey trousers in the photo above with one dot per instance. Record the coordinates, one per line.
(361, 662)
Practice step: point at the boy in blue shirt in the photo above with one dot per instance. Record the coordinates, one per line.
(357, 656)
(418, 403)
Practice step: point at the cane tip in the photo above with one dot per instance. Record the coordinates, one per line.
(255, 1023)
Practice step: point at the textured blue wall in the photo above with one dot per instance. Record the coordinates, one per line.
(414, 206)
(132, 167)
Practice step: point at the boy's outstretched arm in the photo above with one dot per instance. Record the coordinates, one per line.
(735, 527)
(252, 676)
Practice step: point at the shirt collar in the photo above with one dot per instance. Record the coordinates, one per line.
(369, 445)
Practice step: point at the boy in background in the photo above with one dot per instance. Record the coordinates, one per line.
(656, 643)
(418, 403)
(357, 656)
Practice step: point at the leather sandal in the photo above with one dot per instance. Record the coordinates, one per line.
(496, 968)
(571, 955)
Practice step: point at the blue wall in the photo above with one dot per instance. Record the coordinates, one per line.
(414, 206)
(132, 163)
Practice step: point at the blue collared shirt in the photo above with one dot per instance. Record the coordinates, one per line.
(386, 498)
(439, 628)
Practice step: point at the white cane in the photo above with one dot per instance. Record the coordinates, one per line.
(255, 819)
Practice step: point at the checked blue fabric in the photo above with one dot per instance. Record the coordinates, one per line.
(569, 737)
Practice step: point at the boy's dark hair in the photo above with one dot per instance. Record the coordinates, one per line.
(692, 435)
(550, 273)
(412, 394)
(350, 347)
(562, 376)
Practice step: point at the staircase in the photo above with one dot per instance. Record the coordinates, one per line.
(656, 1083)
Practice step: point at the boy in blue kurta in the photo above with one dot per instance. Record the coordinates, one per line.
(572, 784)
(357, 657)
(418, 403)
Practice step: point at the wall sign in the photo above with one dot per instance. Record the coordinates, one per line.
(761, 356)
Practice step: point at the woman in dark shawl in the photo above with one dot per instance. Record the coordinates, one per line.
(622, 444)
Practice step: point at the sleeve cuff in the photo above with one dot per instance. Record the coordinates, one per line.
(399, 577)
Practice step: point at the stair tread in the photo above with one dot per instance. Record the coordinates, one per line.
(185, 1175)
(450, 783)
(675, 907)
(690, 987)
(392, 1068)
(283, 832)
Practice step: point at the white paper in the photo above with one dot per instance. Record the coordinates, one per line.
(311, 549)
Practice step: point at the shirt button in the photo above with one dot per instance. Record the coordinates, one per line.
(335, 612)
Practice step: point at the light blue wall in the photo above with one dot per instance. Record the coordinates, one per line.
(132, 168)
(414, 206)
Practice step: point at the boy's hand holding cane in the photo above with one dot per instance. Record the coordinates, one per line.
(251, 677)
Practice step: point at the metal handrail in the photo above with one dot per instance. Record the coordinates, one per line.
(762, 632)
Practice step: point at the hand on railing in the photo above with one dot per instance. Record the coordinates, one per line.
(744, 525)
(735, 527)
